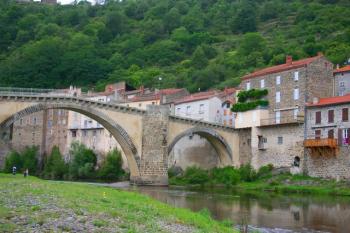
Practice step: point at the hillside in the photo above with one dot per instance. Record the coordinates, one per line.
(197, 44)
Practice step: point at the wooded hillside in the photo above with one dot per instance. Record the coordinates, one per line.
(189, 43)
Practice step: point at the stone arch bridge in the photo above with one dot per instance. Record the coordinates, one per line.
(146, 137)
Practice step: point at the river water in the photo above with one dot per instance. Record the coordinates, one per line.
(262, 212)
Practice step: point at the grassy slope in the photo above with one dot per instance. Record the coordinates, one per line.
(136, 212)
(287, 183)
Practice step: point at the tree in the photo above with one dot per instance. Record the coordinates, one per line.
(111, 168)
(55, 167)
(83, 163)
(245, 20)
(199, 60)
(30, 159)
(13, 159)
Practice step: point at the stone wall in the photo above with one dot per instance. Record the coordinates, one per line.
(193, 150)
(245, 152)
(153, 164)
(329, 166)
(279, 155)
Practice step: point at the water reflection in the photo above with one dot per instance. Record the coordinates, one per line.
(266, 211)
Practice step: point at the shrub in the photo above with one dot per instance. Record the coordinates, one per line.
(83, 162)
(30, 159)
(227, 175)
(13, 159)
(111, 168)
(55, 167)
(195, 175)
(247, 173)
(265, 171)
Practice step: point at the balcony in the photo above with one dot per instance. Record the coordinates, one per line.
(324, 142)
(282, 120)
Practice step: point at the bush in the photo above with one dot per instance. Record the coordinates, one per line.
(247, 173)
(265, 171)
(13, 159)
(111, 168)
(195, 175)
(227, 175)
(55, 167)
(84, 161)
(30, 159)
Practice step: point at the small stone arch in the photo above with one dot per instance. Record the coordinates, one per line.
(113, 127)
(221, 146)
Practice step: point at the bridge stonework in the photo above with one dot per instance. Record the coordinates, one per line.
(146, 137)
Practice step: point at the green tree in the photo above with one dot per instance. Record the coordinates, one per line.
(30, 159)
(83, 162)
(199, 60)
(13, 159)
(55, 167)
(111, 169)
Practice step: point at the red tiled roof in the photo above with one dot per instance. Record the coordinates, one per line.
(283, 67)
(197, 96)
(331, 101)
(343, 69)
(155, 96)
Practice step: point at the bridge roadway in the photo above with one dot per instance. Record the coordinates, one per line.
(145, 136)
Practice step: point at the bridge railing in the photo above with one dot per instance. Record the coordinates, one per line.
(34, 92)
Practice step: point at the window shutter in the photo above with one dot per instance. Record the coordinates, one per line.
(331, 133)
(330, 116)
(340, 136)
(345, 114)
(318, 117)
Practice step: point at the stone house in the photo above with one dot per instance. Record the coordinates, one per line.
(277, 133)
(327, 141)
(342, 81)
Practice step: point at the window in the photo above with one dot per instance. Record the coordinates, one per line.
(278, 80)
(85, 123)
(341, 84)
(178, 110)
(230, 122)
(318, 134)
(201, 108)
(331, 133)
(262, 83)
(330, 116)
(84, 133)
(188, 110)
(295, 113)
(248, 85)
(344, 136)
(94, 133)
(345, 114)
(280, 140)
(34, 120)
(278, 97)
(278, 117)
(318, 117)
(227, 105)
(296, 94)
(140, 104)
(296, 75)
(153, 103)
(74, 134)
(49, 124)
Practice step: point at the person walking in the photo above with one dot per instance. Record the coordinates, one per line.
(14, 170)
(25, 174)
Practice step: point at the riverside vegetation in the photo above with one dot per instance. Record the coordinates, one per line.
(82, 166)
(247, 179)
(34, 205)
(189, 43)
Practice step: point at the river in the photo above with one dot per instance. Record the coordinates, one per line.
(261, 211)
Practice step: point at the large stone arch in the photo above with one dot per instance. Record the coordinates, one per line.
(112, 126)
(221, 146)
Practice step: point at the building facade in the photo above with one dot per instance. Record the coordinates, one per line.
(277, 135)
(327, 142)
(342, 81)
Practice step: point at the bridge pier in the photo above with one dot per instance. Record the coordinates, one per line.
(153, 165)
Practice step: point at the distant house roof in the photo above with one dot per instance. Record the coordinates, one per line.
(198, 96)
(343, 69)
(331, 101)
(289, 65)
(155, 95)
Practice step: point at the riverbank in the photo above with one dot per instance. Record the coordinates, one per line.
(35, 205)
(279, 183)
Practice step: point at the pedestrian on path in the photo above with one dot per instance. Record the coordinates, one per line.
(14, 170)
(25, 174)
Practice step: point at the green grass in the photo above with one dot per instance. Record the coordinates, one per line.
(136, 212)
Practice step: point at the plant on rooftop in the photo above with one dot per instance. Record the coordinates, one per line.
(251, 99)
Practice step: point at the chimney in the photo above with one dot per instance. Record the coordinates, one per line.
(315, 100)
(289, 60)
